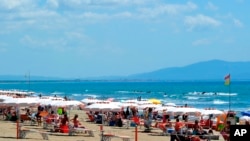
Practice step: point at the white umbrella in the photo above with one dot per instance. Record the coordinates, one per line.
(212, 111)
(65, 103)
(21, 101)
(170, 104)
(128, 104)
(90, 100)
(103, 107)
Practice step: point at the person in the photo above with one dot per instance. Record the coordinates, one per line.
(76, 122)
(197, 129)
(28, 112)
(178, 126)
(148, 119)
(226, 131)
(127, 113)
(64, 120)
(119, 120)
(13, 116)
(247, 123)
(209, 121)
(64, 124)
(185, 117)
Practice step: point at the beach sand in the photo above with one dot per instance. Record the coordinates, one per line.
(8, 132)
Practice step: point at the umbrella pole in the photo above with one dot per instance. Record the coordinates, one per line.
(17, 122)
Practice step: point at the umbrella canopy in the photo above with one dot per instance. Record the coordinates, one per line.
(64, 103)
(245, 118)
(247, 113)
(20, 102)
(212, 111)
(90, 100)
(103, 106)
(155, 101)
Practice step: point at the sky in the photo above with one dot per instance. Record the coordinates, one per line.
(91, 38)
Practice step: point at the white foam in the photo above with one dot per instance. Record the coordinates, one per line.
(219, 102)
(192, 97)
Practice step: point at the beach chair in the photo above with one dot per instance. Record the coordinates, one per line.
(91, 117)
(74, 131)
(25, 118)
(24, 132)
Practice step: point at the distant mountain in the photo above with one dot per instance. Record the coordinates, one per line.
(209, 70)
(214, 70)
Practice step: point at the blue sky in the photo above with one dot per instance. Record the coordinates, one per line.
(86, 38)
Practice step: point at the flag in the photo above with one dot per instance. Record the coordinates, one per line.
(227, 79)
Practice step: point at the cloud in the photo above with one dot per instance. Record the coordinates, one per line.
(58, 44)
(237, 23)
(17, 4)
(201, 42)
(211, 6)
(200, 21)
(52, 3)
(3, 47)
(171, 9)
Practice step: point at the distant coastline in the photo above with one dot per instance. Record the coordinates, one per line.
(213, 70)
(118, 80)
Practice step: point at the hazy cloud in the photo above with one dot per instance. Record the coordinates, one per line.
(170, 9)
(200, 21)
(237, 23)
(52, 3)
(17, 4)
(211, 6)
(3, 47)
(201, 42)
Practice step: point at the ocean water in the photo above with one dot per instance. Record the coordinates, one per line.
(196, 94)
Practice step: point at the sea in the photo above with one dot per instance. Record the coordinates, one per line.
(235, 96)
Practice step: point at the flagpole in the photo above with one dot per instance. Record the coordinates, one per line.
(229, 96)
(228, 83)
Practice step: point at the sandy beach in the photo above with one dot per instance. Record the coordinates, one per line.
(8, 132)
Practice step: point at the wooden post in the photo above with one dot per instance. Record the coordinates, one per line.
(136, 133)
(101, 130)
(17, 129)
(101, 127)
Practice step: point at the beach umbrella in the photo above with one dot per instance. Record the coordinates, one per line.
(103, 106)
(155, 101)
(21, 102)
(247, 113)
(161, 108)
(143, 106)
(63, 103)
(128, 104)
(245, 118)
(211, 112)
(170, 104)
(90, 100)
(44, 101)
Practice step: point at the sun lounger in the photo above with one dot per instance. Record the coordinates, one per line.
(108, 137)
(211, 137)
(73, 131)
(23, 133)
